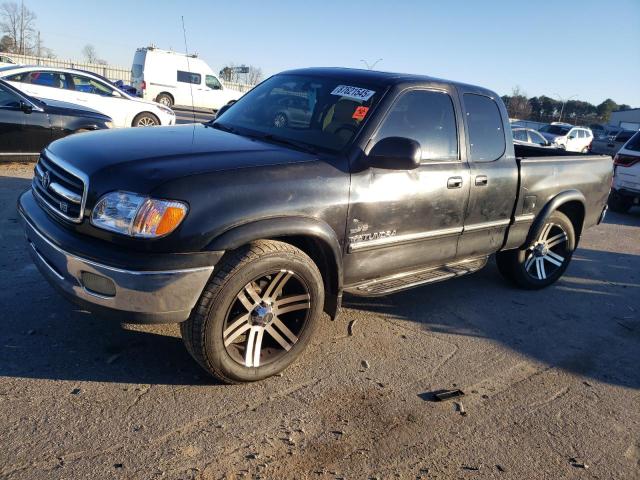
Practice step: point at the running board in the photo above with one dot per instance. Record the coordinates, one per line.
(405, 280)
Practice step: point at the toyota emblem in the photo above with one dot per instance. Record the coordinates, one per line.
(46, 180)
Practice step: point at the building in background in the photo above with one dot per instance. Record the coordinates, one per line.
(626, 119)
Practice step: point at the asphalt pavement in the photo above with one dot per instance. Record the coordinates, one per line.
(189, 115)
(551, 382)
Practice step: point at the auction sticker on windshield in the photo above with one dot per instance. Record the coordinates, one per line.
(353, 92)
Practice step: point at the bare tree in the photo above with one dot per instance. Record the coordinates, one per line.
(254, 75)
(518, 104)
(89, 53)
(233, 73)
(18, 23)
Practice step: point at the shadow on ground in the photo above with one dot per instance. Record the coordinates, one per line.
(587, 323)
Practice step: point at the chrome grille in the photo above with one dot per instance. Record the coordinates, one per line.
(60, 187)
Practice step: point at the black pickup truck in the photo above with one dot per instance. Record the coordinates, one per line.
(317, 182)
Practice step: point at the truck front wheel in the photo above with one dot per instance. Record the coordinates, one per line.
(257, 313)
(544, 261)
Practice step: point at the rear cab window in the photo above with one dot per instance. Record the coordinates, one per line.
(484, 126)
(189, 77)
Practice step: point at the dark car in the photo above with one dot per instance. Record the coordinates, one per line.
(27, 124)
(611, 145)
(244, 232)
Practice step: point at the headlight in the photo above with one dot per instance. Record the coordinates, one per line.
(166, 110)
(138, 216)
(108, 124)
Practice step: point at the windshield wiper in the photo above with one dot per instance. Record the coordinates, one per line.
(293, 143)
(223, 127)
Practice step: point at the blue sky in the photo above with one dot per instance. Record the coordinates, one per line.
(587, 48)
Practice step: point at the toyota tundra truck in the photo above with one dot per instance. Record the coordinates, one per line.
(317, 182)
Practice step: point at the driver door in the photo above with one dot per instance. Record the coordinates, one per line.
(404, 220)
(101, 97)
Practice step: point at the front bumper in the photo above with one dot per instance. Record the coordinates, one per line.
(134, 296)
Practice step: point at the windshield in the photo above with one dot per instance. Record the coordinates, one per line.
(304, 110)
(555, 129)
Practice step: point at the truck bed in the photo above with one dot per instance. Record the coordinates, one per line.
(546, 172)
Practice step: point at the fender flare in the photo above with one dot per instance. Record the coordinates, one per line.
(552, 205)
(282, 227)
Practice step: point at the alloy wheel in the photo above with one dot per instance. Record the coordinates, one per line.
(146, 122)
(267, 318)
(548, 253)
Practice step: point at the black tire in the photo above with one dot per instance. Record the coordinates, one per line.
(619, 204)
(544, 261)
(145, 119)
(165, 99)
(211, 332)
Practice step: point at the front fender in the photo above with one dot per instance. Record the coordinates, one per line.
(282, 227)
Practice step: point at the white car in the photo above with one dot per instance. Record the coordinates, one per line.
(567, 137)
(625, 191)
(89, 90)
(172, 78)
(6, 61)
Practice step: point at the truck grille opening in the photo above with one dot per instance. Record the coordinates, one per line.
(59, 187)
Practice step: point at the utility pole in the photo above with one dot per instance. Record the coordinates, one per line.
(22, 27)
(564, 102)
(39, 46)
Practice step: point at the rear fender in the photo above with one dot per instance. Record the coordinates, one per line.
(554, 204)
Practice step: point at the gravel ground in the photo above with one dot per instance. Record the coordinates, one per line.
(551, 379)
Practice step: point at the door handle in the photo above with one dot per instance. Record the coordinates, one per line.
(454, 182)
(481, 181)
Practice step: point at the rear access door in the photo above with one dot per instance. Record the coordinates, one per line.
(493, 172)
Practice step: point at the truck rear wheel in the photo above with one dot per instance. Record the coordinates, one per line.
(257, 313)
(544, 261)
(165, 99)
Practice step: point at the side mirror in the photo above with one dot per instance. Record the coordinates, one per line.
(26, 107)
(571, 137)
(395, 153)
(224, 108)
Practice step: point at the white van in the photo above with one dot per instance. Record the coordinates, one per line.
(172, 78)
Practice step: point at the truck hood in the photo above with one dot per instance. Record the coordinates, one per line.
(141, 158)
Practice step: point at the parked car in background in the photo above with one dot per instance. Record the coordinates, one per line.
(90, 90)
(172, 78)
(27, 125)
(6, 61)
(611, 145)
(567, 137)
(625, 190)
(126, 88)
(529, 136)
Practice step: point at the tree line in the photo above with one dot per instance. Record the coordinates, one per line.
(548, 109)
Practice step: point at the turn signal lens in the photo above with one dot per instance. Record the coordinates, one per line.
(157, 218)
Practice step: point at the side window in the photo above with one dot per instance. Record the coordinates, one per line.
(89, 85)
(18, 77)
(484, 123)
(47, 79)
(8, 99)
(582, 134)
(189, 77)
(537, 138)
(427, 117)
(520, 134)
(212, 82)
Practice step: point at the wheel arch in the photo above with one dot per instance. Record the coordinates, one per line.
(571, 203)
(314, 237)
